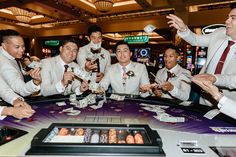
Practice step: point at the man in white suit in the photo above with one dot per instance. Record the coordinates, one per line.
(19, 109)
(217, 43)
(125, 77)
(89, 53)
(173, 80)
(225, 104)
(58, 72)
(12, 48)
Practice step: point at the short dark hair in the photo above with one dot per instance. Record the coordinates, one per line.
(233, 6)
(94, 28)
(6, 33)
(121, 42)
(67, 40)
(171, 46)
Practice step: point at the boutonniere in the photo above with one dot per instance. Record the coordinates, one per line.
(102, 56)
(130, 73)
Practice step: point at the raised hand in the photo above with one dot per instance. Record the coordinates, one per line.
(35, 74)
(176, 22)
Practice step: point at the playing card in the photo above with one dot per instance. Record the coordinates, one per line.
(68, 109)
(74, 113)
(61, 103)
(211, 114)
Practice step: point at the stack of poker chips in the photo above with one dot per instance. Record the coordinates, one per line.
(129, 138)
(138, 138)
(112, 136)
(121, 136)
(95, 136)
(87, 135)
(104, 136)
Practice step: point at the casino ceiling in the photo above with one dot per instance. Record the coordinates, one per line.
(65, 17)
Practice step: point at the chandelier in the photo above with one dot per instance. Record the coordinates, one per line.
(103, 5)
(21, 14)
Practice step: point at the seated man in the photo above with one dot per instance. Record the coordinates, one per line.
(125, 77)
(58, 72)
(20, 109)
(225, 104)
(12, 48)
(173, 80)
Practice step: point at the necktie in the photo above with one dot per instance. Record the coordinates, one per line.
(66, 67)
(19, 66)
(169, 75)
(221, 62)
(124, 76)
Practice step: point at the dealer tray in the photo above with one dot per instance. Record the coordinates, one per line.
(97, 139)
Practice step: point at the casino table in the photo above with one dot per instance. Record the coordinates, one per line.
(196, 131)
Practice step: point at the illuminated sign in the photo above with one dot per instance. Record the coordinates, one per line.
(136, 39)
(52, 42)
(211, 28)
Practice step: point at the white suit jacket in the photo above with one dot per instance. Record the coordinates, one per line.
(85, 52)
(6, 93)
(52, 73)
(214, 42)
(11, 74)
(180, 82)
(113, 77)
(228, 106)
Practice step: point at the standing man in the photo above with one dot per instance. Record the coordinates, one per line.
(11, 50)
(221, 58)
(125, 77)
(58, 72)
(92, 57)
(174, 81)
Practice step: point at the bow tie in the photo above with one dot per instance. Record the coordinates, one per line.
(95, 51)
(170, 75)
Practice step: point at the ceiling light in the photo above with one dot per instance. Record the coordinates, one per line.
(21, 14)
(103, 5)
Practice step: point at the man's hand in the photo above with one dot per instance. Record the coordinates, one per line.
(99, 77)
(208, 87)
(205, 77)
(147, 87)
(90, 65)
(167, 86)
(35, 74)
(176, 22)
(67, 79)
(157, 91)
(20, 103)
(84, 86)
(18, 112)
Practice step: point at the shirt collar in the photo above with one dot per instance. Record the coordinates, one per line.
(174, 69)
(127, 66)
(6, 54)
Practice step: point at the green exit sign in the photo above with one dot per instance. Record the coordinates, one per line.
(136, 39)
(52, 42)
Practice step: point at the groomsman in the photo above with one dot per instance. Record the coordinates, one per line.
(173, 80)
(58, 72)
(12, 48)
(92, 57)
(125, 77)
